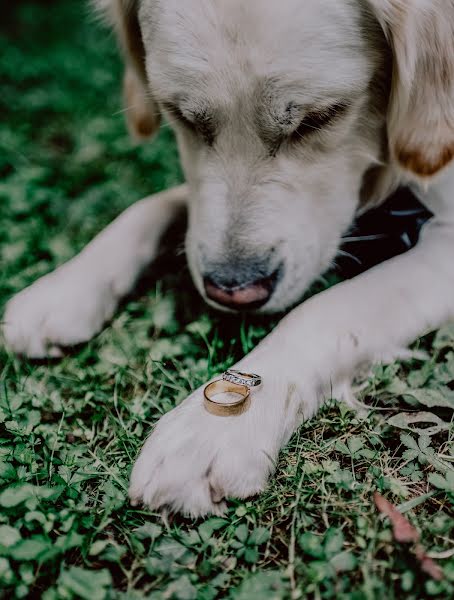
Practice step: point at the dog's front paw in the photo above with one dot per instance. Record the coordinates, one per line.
(193, 461)
(61, 309)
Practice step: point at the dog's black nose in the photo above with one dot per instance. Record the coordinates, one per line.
(242, 290)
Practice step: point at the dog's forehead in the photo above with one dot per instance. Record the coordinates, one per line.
(319, 43)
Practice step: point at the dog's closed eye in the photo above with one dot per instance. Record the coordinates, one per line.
(315, 121)
(175, 113)
(199, 122)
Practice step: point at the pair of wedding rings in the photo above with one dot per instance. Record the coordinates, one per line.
(233, 382)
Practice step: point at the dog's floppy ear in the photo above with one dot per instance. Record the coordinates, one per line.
(421, 111)
(142, 113)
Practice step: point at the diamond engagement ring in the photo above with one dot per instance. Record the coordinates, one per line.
(248, 379)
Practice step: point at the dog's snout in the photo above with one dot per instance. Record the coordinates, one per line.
(241, 290)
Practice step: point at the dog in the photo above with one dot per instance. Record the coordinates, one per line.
(292, 118)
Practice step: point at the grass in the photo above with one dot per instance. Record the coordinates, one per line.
(69, 430)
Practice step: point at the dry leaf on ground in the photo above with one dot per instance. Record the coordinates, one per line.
(404, 532)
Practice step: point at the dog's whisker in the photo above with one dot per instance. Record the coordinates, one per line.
(363, 238)
(349, 255)
(132, 107)
(124, 110)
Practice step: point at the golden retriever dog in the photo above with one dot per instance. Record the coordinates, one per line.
(291, 119)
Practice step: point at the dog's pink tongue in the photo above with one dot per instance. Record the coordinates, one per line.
(239, 297)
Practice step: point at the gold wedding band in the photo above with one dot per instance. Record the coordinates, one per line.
(226, 409)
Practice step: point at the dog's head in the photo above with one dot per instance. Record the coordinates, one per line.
(286, 114)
